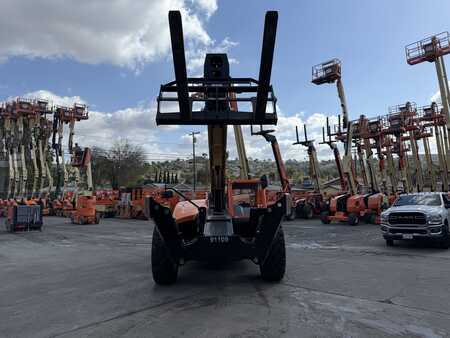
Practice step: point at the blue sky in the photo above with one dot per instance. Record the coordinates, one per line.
(72, 55)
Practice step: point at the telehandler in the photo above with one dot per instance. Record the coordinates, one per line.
(210, 229)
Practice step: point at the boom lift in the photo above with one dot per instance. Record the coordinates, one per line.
(209, 230)
(433, 49)
(85, 211)
(310, 202)
(365, 130)
(8, 125)
(62, 204)
(44, 133)
(337, 157)
(433, 117)
(330, 72)
(240, 144)
(350, 206)
(284, 181)
(14, 146)
(401, 121)
(40, 108)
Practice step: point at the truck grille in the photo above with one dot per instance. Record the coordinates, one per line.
(408, 231)
(407, 218)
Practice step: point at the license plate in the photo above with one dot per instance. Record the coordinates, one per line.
(407, 236)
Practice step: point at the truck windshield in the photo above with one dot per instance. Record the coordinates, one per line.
(431, 200)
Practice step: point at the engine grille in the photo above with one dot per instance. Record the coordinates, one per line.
(407, 218)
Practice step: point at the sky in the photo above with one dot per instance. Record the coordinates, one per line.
(113, 55)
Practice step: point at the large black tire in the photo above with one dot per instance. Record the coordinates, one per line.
(164, 268)
(274, 266)
(308, 211)
(8, 226)
(389, 242)
(324, 217)
(353, 219)
(444, 242)
(291, 216)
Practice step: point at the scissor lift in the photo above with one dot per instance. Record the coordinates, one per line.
(206, 230)
(433, 49)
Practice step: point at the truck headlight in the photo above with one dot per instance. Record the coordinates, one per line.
(384, 218)
(434, 219)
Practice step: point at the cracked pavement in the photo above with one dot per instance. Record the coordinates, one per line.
(341, 281)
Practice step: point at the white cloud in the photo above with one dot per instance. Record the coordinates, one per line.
(54, 99)
(436, 97)
(126, 33)
(209, 6)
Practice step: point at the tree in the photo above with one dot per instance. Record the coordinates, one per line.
(122, 165)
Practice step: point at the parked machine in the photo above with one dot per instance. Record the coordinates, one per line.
(107, 203)
(22, 217)
(285, 185)
(350, 206)
(309, 203)
(85, 207)
(209, 230)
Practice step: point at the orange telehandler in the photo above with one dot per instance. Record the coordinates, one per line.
(213, 229)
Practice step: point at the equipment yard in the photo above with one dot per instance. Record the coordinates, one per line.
(95, 280)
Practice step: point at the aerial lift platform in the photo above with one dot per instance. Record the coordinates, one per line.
(208, 230)
(330, 72)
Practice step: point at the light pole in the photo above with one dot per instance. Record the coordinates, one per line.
(193, 157)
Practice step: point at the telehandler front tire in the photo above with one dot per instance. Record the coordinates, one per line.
(274, 267)
(164, 268)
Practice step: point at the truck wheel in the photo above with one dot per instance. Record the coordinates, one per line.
(324, 217)
(308, 211)
(291, 216)
(274, 266)
(353, 219)
(8, 226)
(299, 211)
(389, 242)
(444, 242)
(164, 269)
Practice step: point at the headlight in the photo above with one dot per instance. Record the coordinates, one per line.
(434, 219)
(384, 218)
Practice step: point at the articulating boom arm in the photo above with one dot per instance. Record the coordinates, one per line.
(277, 155)
(312, 154)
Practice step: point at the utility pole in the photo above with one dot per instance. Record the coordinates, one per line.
(193, 157)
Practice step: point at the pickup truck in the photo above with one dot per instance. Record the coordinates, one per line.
(416, 216)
